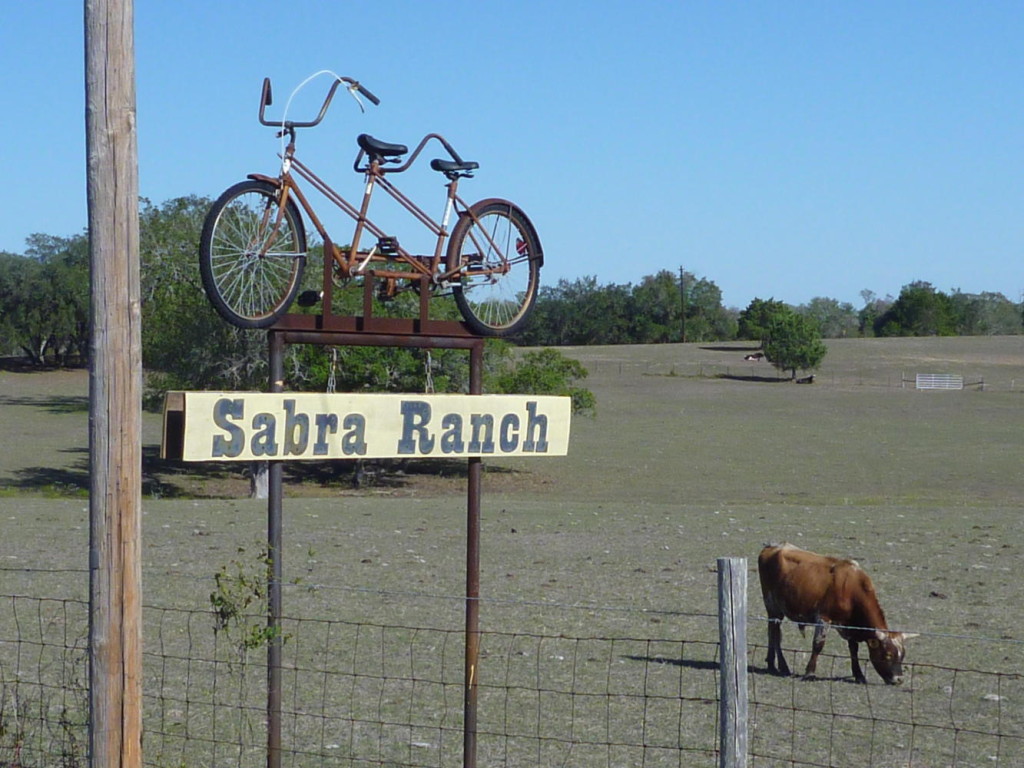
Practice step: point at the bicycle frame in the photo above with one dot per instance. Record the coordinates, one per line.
(352, 262)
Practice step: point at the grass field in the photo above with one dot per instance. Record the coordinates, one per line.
(601, 565)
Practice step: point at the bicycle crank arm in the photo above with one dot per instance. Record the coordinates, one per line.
(358, 270)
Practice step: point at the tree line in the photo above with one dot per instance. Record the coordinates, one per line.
(44, 299)
(673, 307)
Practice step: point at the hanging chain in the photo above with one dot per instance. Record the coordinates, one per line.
(331, 376)
(429, 365)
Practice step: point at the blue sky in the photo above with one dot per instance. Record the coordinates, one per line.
(780, 149)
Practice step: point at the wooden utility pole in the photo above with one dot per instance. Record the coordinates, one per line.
(682, 305)
(115, 389)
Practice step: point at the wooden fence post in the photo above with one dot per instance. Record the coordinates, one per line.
(732, 630)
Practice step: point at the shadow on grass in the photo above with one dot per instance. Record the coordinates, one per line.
(24, 365)
(686, 663)
(712, 666)
(56, 404)
(50, 481)
(758, 379)
(754, 670)
(712, 348)
(73, 480)
(172, 479)
(383, 473)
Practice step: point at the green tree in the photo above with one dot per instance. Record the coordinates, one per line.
(185, 344)
(706, 318)
(985, 314)
(30, 306)
(835, 319)
(874, 307)
(754, 321)
(376, 369)
(44, 299)
(580, 312)
(546, 372)
(656, 309)
(793, 342)
(65, 262)
(11, 266)
(920, 310)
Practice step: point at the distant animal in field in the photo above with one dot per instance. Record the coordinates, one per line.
(819, 591)
(754, 356)
(806, 379)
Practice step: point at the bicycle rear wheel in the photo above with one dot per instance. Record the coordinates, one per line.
(495, 235)
(252, 254)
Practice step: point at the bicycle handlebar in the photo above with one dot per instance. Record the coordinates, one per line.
(266, 99)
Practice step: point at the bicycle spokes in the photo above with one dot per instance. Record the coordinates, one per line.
(251, 255)
(498, 278)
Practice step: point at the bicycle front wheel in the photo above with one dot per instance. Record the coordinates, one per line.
(252, 254)
(497, 252)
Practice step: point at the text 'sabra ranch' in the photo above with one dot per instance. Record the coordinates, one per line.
(296, 426)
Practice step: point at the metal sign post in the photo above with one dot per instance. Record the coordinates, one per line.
(474, 482)
(475, 345)
(275, 538)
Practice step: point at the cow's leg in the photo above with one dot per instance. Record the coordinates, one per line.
(775, 648)
(858, 673)
(820, 630)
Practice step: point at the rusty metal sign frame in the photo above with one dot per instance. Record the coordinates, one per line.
(369, 331)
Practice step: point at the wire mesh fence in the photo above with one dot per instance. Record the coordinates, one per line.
(369, 692)
(43, 682)
(941, 716)
(366, 693)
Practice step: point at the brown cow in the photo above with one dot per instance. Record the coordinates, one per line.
(817, 590)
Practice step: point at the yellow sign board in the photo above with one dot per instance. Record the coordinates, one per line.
(288, 426)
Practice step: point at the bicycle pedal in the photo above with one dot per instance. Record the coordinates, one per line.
(309, 298)
(388, 247)
(386, 291)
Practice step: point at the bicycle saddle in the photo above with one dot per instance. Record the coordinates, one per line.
(377, 148)
(450, 166)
